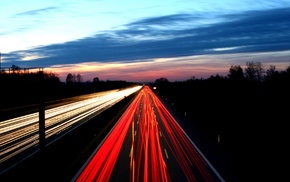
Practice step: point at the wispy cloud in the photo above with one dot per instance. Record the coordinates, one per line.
(36, 11)
(142, 40)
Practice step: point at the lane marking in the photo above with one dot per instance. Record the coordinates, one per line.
(165, 151)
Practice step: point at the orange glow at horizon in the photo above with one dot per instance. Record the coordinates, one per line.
(171, 69)
(174, 69)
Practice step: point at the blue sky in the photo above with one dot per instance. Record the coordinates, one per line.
(144, 40)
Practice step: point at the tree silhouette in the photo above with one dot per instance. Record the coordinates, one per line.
(96, 80)
(15, 68)
(79, 78)
(70, 78)
(161, 80)
(254, 71)
(236, 73)
(271, 71)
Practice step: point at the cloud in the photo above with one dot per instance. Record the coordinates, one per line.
(23, 22)
(36, 11)
(167, 20)
(171, 36)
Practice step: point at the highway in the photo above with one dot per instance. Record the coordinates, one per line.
(22, 133)
(147, 144)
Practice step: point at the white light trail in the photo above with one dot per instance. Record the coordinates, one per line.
(18, 134)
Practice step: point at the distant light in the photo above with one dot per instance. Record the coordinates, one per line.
(154, 88)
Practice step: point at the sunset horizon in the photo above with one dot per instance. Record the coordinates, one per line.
(143, 41)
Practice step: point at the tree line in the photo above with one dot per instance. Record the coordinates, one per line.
(252, 88)
(20, 86)
(250, 94)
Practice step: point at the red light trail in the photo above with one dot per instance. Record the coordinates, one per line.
(152, 129)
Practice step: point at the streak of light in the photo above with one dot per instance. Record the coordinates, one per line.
(148, 159)
(187, 154)
(21, 133)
